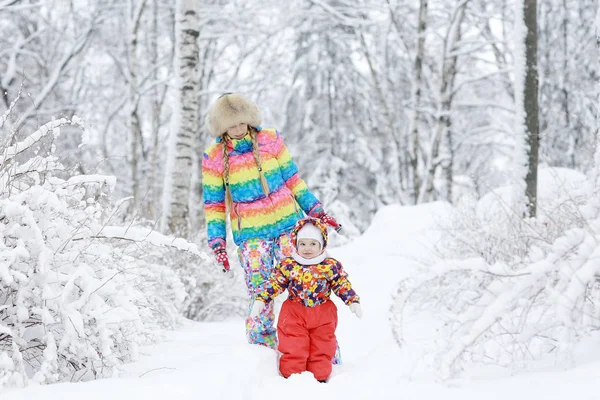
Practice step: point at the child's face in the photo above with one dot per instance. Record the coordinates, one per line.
(309, 248)
(237, 131)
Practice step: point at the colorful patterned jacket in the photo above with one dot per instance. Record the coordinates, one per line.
(310, 284)
(254, 215)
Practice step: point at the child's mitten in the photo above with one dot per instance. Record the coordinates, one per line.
(356, 309)
(257, 308)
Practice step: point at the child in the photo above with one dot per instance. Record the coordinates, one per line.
(306, 326)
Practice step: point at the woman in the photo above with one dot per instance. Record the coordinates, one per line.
(250, 173)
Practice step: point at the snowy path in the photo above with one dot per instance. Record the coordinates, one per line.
(212, 360)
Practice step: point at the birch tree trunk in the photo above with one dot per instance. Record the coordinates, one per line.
(185, 119)
(416, 98)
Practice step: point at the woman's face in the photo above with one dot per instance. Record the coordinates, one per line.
(237, 131)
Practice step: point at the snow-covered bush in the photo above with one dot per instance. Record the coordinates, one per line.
(506, 290)
(77, 295)
(211, 295)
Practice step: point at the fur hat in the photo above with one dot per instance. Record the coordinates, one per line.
(229, 110)
(310, 231)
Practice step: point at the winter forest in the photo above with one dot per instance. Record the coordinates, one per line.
(486, 108)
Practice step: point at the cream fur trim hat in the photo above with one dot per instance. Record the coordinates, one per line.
(229, 110)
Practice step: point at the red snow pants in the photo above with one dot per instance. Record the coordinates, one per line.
(307, 338)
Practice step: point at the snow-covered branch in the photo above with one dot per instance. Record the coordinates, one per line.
(480, 78)
(51, 127)
(145, 235)
(56, 74)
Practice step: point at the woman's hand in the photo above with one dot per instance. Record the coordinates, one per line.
(329, 220)
(221, 256)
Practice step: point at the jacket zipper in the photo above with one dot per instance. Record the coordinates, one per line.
(295, 203)
(237, 214)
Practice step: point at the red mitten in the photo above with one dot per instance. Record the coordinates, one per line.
(329, 220)
(221, 256)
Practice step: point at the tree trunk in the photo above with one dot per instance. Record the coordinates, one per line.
(135, 130)
(596, 171)
(198, 221)
(391, 154)
(185, 119)
(446, 91)
(448, 163)
(156, 107)
(573, 134)
(206, 71)
(530, 102)
(416, 98)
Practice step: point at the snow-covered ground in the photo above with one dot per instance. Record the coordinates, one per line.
(213, 360)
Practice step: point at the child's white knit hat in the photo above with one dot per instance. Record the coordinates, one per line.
(309, 231)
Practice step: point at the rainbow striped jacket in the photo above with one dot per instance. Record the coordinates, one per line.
(254, 215)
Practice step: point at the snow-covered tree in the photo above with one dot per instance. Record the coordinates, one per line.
(184, 129)
(417, 85)
(567, 55)
(443, 125)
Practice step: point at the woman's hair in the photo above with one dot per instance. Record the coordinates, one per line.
(263, 181)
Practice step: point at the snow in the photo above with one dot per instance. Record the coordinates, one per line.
(213, 360)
